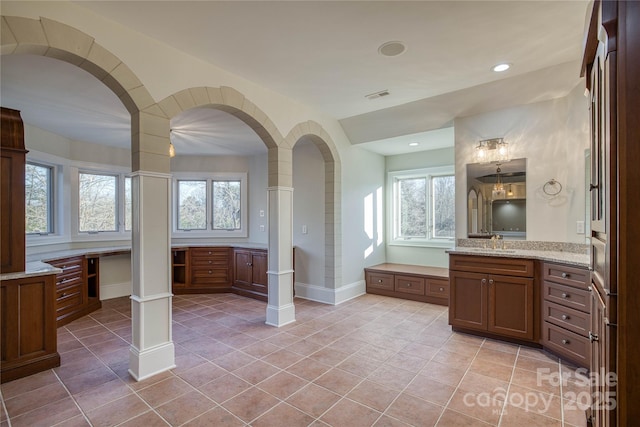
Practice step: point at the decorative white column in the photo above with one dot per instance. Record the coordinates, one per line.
(152, 350)
(280, 309)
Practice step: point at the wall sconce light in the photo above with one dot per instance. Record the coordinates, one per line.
(172, 149)
(492, 150)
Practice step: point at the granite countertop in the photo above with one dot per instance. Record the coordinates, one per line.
(123, 250)
(32, 269)
(568, 258)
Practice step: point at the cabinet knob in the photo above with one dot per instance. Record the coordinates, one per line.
(483, 281)
(441, 289)
(565, 342)
(408, 285)
(565, 317)
(209, 271)
(491, 281)
(63, 295)
(210, 261)
(565, 275)
(565, 295)
(379, 280)
(209, 252)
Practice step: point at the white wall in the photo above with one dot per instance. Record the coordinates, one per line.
(552, 136)
(434, 257)
(362, 212)
(308, 210)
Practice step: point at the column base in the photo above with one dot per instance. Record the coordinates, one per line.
(280, 316)
(147, 363)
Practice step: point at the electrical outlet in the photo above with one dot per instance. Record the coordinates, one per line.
(580, 227)
(262, 212)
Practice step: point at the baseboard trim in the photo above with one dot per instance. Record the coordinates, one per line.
(144, 364)
(330, 296)
(115, 290)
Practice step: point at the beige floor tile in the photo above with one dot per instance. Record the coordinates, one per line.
(414, 411)
(349, 413)
(517, 417)
(431, 390)
(224, 388)
(283, 415)
(373, 395)
(450, 418)
(217, 416)
(313, 400)
(250, 404)
(164, 391)
(117, 411)
(185, 408)
(282, 385)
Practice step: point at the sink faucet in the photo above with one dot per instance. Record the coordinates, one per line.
(494, 239)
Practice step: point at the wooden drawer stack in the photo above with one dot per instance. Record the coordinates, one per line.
(418, 283)
(210, 269)
(70, 292)
(566, 312)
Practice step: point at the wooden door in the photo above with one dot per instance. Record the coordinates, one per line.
(510, 306)
(468, 300)
(242, 275)
(259, 269)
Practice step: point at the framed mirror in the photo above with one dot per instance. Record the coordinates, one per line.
(496, 199)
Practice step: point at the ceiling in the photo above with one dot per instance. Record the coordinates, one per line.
(325, 54)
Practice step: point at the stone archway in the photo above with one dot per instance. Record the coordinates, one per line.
(280, 309)
(333, 228)
(152, 350)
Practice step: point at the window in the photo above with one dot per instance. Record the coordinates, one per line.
(38, 199)
(423, 206)
(226, 205)
(97, 202)
(211, 205)
(128, 203)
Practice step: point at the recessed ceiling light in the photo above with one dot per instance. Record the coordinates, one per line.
(394, 48)
(501, 67)
(414, 144)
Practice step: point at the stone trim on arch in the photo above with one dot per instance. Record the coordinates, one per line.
(45, 37)
(333, 198)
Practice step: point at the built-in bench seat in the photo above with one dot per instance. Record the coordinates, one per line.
(414, 282)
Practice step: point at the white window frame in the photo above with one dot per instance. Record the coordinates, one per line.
(120, 173)
(392, 208)
(53, 223)
(209, 178)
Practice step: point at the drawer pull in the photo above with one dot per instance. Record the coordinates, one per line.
(566, 342)
(441, 289)
(379, 280)
(63, 295)
(491, 281)
(408, 285)
(565, 295)
(210, 261)
(209, 252)
(483, 281)
(565, 317)
(209, 271)
(565, 275)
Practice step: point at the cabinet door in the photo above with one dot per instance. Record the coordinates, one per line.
(511, 306)
(242, 268)
(468, 300)
(259, 266)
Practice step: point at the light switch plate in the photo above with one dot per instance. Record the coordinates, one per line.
(580, 227)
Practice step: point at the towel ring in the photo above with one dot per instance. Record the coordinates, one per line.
(552, 187)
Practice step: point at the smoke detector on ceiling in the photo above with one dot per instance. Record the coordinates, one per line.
(377, 94)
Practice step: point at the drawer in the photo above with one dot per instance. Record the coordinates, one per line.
(568, 318)
(67, 264)
(380, 281)
(567, 344)
(63, 283)
(209, 252)
(492, 265)
(567, 296)
(210, 276)
(572, 276)
(69, 299)
(409, 285)
(437, 288)
(213, 261)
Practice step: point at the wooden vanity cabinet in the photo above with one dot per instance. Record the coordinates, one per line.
(28, 343)
(250, 273)
(77, 287)
(493, 295)
(210, 270)
(566, 312)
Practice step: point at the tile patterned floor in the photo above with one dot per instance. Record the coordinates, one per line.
(372, 361)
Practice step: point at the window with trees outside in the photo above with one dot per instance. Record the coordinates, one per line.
(423, 206)
(97, 202)
(39, 199)
(211, 205)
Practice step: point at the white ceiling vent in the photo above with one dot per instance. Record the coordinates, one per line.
(377, 94)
